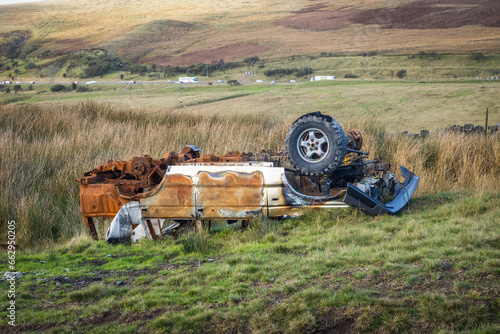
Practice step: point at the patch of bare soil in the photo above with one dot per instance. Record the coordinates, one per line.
(423, 14)
(228, 53)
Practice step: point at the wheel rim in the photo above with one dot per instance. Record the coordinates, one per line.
(313, 145)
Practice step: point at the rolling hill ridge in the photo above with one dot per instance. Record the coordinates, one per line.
(206, 31)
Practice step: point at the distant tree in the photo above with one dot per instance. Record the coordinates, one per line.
(153, 68)
(478, 56)
(30, 65)
(426, 55)
(7, 91)
(58, 88)
(251, 60)
(122, 76)
(200, 68)
(220, 65)
(401, 74)
(17, 88)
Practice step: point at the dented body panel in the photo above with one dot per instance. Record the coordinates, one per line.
(227, 193)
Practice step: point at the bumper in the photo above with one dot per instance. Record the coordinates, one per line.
(403, 192)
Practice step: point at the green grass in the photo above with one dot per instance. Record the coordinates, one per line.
(435, 268)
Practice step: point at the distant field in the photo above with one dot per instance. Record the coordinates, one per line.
(398, 105)
(76, 66)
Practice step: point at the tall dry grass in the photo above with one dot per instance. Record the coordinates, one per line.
(444, 161)
(44, 148)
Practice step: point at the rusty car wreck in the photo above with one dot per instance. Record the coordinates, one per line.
(322, 167)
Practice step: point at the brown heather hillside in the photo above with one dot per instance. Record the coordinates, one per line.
(188, 32)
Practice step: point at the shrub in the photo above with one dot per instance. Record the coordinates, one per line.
(478, 56)
(81, 89)
(401, 74)
(426, 55)
(30, 65)
(17, 88)
(251, 60)
(350, 76)
(299, 72)
(58, 88)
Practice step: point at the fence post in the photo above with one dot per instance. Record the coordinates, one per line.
(486, 125)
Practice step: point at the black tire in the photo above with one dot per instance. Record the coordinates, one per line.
(316, 144)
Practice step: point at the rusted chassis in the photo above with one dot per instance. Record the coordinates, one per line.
(326, 170)
(208, 193)
(204, 192)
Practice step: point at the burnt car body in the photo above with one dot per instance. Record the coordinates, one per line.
(322, 167)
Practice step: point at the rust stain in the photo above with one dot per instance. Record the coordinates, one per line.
(230, 194)
(174, 198)
(100, 200)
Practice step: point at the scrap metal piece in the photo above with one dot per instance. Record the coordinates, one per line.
(354, 139)
(120, 229)
(356, 197)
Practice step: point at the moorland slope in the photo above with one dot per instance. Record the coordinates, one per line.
(174, 33)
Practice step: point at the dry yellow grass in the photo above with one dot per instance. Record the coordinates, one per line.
(445, 161)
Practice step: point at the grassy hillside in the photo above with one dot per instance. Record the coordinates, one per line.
(435, 268)
(195, 32)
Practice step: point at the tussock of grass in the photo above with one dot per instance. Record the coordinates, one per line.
(93, 292)
(200, 242)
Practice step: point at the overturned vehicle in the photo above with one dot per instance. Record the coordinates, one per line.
(322, 167)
